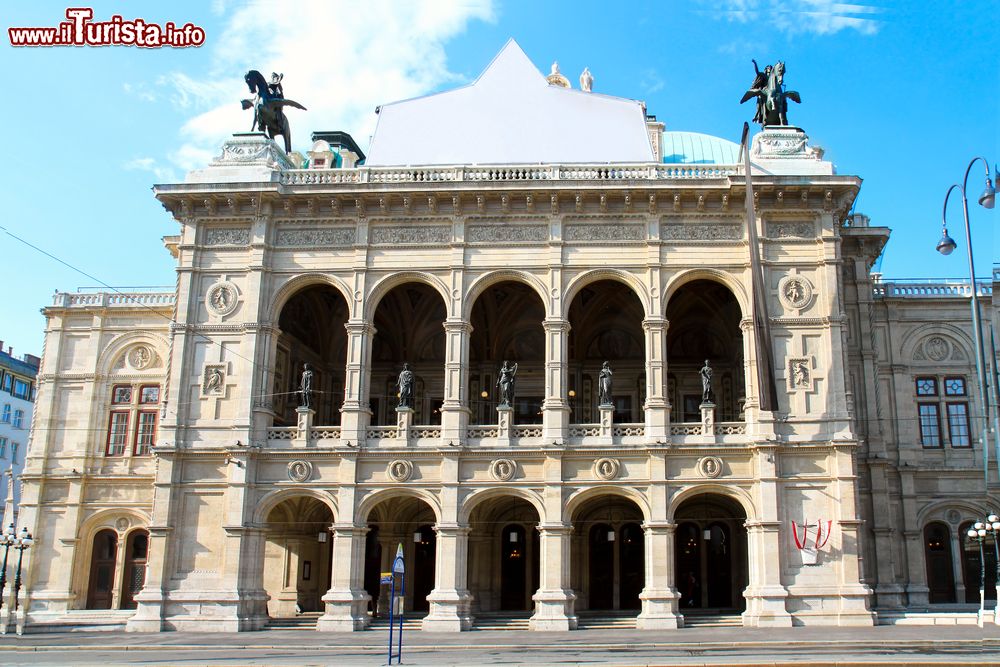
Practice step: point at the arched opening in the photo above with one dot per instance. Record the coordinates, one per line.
(608, 554)
(503, 567)
(103, 559)
(937, 557)
(605, 320)
(710, 554)
(409, 325)
(507, 325)
(408, 522)
(134, 573)
(704, 321)
(972, 568)
(297, 556)
(312, 332)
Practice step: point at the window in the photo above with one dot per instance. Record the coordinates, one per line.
(930, 425)
(6, 414)
(145, 431)
(954, 386)
(121, 394)
(18, 418)
(22, 389)
(958, 424)
(117, 433)
(7, 378)
(3, 448)
(926, 386)
(931, 405)
(13, 452)
(149, 394)
(132, 422)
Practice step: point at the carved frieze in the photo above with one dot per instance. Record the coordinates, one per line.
(141, 357)
(213, 380)
(336, 236)
(506, 233)
(227, 236)
(701, 232)
(436, 234)
(604, 232)
(787, 230)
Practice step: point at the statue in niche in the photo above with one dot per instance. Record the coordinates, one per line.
(604, 385)
(800, 374)
(305, 387)
(213, 384)
(707, 395)
(506, 384)
(404, 386)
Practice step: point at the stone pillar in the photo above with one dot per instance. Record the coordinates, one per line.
(554, 601)
(659, 596)
(607, 424)
(765, 595)
(852, 596)
(404, 419)
(304, 421)
(917, 591)
(505, 426)
(347, 601)
(355, 413)
(555, 408)
(450, 601)
(657, 405)
(455, 410)
(708, 418)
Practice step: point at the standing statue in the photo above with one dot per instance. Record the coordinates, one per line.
(772, 98)
(586, 80)
(604, 385)
(404, 384)
(268, 104)
(306, 387)
(506, 384)
(707, 396)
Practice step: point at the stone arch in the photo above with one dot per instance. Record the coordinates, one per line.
(387, 283)
(367, 504)
(628, 279)
(119, 343)
(474, 499)
(272, 499)
(728, 280)
(971, 511)
(298, 283)
(735, 493)
(86, 532)
(913, 339)
(580, 497)
(487, 280)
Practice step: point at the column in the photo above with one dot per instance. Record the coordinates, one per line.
(555, 408)
(765, 595)
(346, 602)
(355, 413)
(450, 601)
(657, 405)
(554, 601)
(853, 596)
(455, 409)
(659, 596)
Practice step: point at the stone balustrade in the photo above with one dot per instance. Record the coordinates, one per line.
(930, 289)
(113, 299)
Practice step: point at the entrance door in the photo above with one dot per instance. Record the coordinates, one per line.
(719, 571)
(104, 557)
(602, 567)
(688, 565)
(136, 550)
(937, 556)
(425, 548)
(711, 554)
(513, 568)
(631, 565)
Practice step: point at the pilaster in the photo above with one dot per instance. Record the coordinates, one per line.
(554, 601)
(657, 405)
(659, 597)
(347, 601)
(555, 408)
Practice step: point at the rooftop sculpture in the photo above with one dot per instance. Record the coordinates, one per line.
(268, 104)
(772, 98)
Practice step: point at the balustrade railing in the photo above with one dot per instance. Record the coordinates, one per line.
(425, 431)
(325, 433)
(930, 289)
(379, 432)
(119, 299)
(282, 433)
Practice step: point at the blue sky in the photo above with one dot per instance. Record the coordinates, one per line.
(903, 94)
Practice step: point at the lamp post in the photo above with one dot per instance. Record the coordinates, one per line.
(7, 539)
(22, 543)
(977, 533)
(945, 246)
(993, 526)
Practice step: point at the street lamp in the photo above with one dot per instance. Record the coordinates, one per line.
(7, 539)
(977, 533)
(993, 526)
(945, 246)
(22, 543)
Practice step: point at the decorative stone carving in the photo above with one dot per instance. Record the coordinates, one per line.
(222, 298)
(122, 524)
(587, 232)
(399, 470)
(338, 236)
(800, 373)
(300, 471)
(506, 233)
(784, 230)
(701, 232)
(426, 235)
(213, 380)
(795, 292)
(936, 348)
(216, 236)
(252, 148)
(786, 142)
(141, 357)
(503, 470)
(953, 517)
(606, 468)
(710, 466)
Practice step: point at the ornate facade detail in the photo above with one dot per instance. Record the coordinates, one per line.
(435, 235)
(333, 237)
(141, 357)
(399, 470)
(300, 471)
(252, 149)
(503, 470)
(216, 236)
(782, 143)
(606, 468)
(800, 374)
(213, 380)
(701, 232)
(710, 466)
(786, 230)
(222, 298)
(795, 292)
(506, 233)
(936, 348)
(590, 232)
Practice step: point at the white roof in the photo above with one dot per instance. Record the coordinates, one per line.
(510, 115)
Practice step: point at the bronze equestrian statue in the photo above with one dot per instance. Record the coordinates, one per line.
(268, 104)
(772, 98)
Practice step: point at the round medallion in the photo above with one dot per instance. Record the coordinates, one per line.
(122, 524)
(937, 348)
(710, 466)
(300, 471)
(502, 470)
(221, 298)
(795, 292)
(606, 468)
(953, 516)
(399, 470)
(141, 357)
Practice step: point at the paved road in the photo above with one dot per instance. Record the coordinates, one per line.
(931, 645)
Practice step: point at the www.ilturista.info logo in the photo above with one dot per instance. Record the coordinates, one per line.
(80, 30)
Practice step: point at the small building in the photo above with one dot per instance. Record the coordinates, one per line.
(18, 377)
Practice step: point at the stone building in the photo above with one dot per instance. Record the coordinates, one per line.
(17, 403)
(179, 478)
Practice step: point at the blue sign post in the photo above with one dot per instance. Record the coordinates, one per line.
(397, 568)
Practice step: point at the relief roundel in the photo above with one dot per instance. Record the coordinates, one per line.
(221, 298)
(710, 466)
(300, 471)
(795, 292)
(606, 468)
(502, 470)
(399, 470)
(141, 357)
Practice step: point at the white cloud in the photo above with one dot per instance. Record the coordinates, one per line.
(340, 60)
(651, 81)
(163, 174)
(821, 17)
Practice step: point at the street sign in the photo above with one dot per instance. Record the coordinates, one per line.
(397, 564)
(385, 578)
(396, 607)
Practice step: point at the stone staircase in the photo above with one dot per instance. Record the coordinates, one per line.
(501, 620)
(303, 621)
(698, 620)
(411, 623)
(606, 620)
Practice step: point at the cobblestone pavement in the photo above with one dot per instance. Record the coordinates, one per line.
(900, 645)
